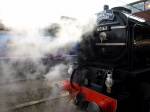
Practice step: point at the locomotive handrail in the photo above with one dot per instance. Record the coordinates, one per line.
(118, 27)
(110, 44)
(142, 42)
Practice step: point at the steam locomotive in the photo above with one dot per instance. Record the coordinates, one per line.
(112, 72)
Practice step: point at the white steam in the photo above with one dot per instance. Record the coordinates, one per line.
(32, 44)
(26, 49)
(27, 46)
(57, 72)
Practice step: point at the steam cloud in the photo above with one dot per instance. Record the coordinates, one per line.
(26, 50)
(29, 47)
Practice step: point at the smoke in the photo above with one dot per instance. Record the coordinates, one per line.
(29, 54)
(33, 44)
(26, 49)
(57, 72)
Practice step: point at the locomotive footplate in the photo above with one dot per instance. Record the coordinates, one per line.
(96, 102)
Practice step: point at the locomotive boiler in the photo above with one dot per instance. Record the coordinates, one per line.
(112, 72)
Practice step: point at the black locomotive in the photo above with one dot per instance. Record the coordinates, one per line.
(114, 59)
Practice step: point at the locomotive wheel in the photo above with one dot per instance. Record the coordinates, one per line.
(80, 101)
(93, 107)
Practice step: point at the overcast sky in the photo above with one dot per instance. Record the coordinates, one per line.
(24, 13)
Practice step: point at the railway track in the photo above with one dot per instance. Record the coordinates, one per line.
(33, 96)
(35, 102)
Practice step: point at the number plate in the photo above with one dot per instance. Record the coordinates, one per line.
(103, 28)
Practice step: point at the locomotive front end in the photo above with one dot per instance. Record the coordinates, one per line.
(112, 35)
(112, 64)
